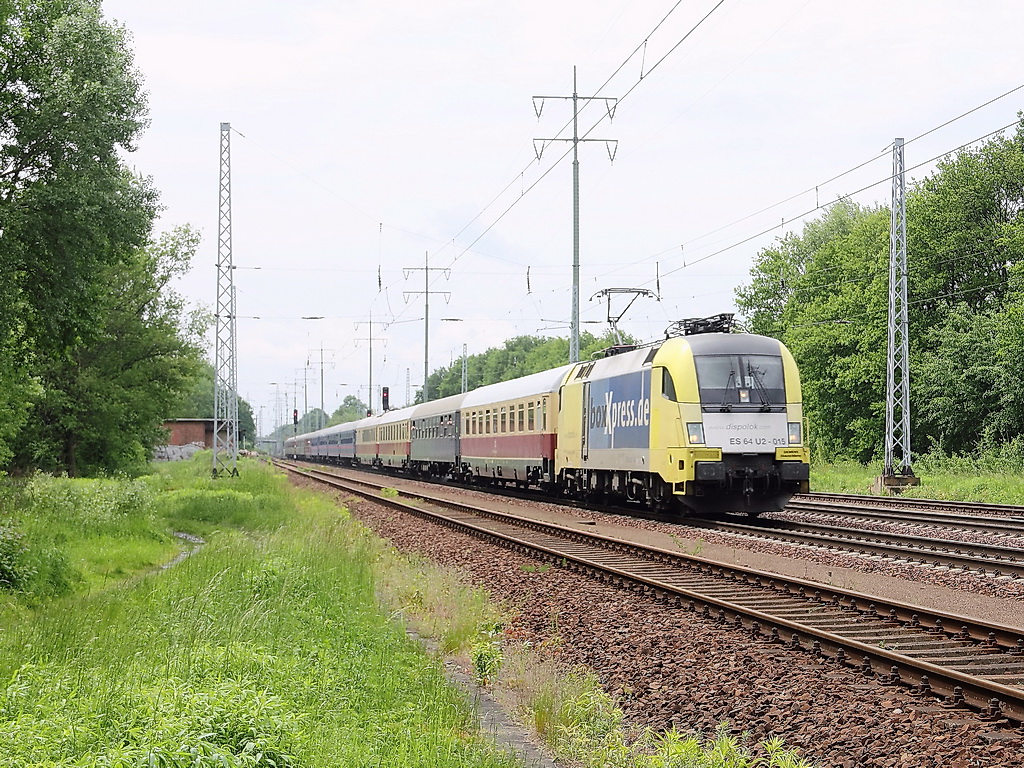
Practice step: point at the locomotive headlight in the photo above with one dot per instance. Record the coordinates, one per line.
(794, 433)
(695, 433)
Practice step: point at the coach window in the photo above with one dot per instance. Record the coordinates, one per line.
(504, 423)
(487, 421)
(544, 414)
(529, 416)
(522, 417)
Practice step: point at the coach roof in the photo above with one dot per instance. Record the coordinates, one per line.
(436, 407)
(541, 383)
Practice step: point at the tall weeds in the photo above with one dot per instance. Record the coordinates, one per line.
(266, 648)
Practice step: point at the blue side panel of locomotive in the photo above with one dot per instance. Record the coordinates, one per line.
(619, 411)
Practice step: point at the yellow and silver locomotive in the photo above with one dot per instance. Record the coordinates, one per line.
(710, 422)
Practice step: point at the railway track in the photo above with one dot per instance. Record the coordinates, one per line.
(961, 661)
(985, 559)
(912, 548)
(1006, 525)
(909, 508)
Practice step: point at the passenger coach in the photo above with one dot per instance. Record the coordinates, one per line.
(509, 429)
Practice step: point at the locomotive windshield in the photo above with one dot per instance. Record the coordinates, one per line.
(740, 382)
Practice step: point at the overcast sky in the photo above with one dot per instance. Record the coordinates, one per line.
(367, 135)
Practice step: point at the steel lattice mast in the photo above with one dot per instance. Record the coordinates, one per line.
(897, 389)
(225, 365)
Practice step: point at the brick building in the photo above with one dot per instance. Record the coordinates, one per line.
(190, 432)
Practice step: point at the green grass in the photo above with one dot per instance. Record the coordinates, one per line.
(58, 536)
(994, 475)
(266, 648)
(843, 477)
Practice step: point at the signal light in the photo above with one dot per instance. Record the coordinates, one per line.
(295, 416)
(384, 398)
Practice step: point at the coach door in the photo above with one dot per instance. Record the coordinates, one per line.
(585, 428)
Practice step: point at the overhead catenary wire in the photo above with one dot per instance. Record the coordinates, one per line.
(621, 66)
(524, 191)
(590, 130)
(824, 206)
(882, 156)
(558, 161)
(916, 302)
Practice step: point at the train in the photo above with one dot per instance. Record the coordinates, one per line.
(698, 423)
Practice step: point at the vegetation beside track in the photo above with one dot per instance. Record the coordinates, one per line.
(266, 648)
(993, 476)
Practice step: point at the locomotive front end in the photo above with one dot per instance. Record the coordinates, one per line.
(740, 408)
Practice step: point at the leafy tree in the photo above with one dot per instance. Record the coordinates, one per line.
(961, 357)
(830, 309)
(70, 213)
(966, 227)
(197, 403)
(824, 292)
(519, 356)
(351, 409)
(105, 401)
(70, 99)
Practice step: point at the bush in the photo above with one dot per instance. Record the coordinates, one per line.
(14, 569)
(112, 507)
